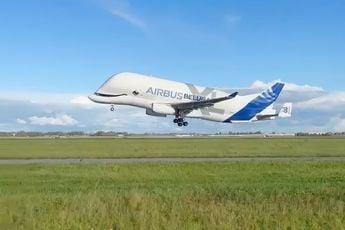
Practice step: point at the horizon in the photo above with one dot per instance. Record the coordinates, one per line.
(101, 133)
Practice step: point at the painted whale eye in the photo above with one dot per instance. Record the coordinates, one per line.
(135, 93)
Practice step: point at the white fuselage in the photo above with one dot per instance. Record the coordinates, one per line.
(146, 92)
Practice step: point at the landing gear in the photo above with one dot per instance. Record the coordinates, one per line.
(112, 108)
(180, 121)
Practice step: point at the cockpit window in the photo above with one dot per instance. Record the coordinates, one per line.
(135, 93)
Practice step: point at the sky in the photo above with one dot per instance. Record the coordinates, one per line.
(55, 53)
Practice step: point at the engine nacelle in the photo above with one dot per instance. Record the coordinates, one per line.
(163, 109)
(151, 113)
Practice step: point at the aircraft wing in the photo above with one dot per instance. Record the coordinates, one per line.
(201, 104)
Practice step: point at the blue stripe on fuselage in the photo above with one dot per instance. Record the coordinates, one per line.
(258, 104)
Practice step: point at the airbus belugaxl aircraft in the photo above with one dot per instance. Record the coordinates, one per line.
(163, 97)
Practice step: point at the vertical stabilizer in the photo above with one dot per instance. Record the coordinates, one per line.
(258, 104)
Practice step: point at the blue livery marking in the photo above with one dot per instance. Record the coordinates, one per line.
(258, 104)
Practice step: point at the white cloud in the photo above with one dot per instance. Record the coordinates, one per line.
(122, 9)
(84, 102)
(288, 86)
(20, 121)
(329, 102)
(339, 124)
(36, 97)
(60, 120)
(114, 123)
(81, 100)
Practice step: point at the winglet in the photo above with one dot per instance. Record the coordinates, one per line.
(277, 88)
(233, 95)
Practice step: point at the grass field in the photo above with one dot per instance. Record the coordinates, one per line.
(215, 147)
(174, 196)
(266, 195)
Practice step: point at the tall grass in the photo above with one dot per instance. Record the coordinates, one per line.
(186, 196)
(139, 210)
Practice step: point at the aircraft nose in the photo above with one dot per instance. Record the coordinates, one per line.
(93, 97)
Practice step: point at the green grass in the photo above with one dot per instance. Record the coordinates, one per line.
(291, 195)
(214, 147)
(174, 196)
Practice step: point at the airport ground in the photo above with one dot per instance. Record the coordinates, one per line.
(60, 148)
(218, 195)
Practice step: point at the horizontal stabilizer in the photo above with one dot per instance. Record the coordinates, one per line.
(286, 110)
(266, 117)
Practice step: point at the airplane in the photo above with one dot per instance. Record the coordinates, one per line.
(162, 97)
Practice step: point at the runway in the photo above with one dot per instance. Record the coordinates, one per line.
(164, 160)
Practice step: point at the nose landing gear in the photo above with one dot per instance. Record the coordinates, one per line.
(112, 108)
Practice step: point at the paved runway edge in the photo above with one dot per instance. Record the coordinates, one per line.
(163, 160)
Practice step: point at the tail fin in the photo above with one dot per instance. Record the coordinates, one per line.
(258, 104)
(271, 94)
(286, 110)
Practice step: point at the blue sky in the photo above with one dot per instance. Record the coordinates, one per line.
(69, 47)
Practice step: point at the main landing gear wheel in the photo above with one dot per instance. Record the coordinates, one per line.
(180, 122)
(112, 108)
